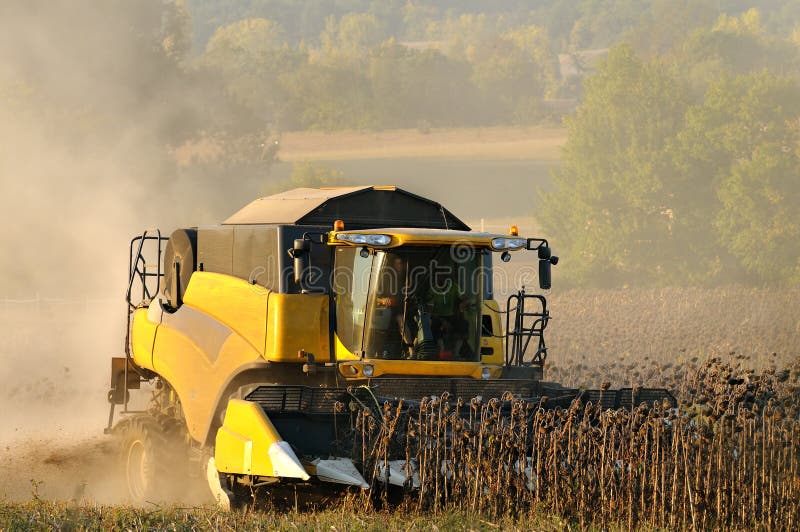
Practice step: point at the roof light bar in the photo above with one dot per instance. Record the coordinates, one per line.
(365, 239)
(505, 243)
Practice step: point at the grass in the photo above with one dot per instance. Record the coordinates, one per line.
(44, 515)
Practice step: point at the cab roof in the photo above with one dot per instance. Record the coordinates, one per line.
(363, 207)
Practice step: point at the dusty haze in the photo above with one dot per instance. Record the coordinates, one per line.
(83, 165)
(89, 110)
(92, 110)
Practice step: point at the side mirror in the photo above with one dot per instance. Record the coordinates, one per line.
(545, 269)
(301, 252)
(545, 274)
(544, 253)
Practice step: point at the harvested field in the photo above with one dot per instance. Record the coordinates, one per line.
(655, 336)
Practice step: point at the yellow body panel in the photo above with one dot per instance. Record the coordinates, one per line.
(422, 368)
(232, 301)
(225, 326)
(218, 331)
(143, 335)
(197, 377)
(342, 353)
(243, 441)
(298, 322)
(492, 309)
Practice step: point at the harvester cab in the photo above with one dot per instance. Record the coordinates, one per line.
(403, 296)
(261, 338)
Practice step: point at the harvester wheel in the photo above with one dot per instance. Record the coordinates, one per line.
(147, 460)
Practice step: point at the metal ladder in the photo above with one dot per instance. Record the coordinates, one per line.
(145, 279)
(529, 322)
(140, 273)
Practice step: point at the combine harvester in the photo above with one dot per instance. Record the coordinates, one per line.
(260, 340)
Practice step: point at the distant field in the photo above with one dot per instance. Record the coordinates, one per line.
(476, 173)
(539, 143)
(471, 188)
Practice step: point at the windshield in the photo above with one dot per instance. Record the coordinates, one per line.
(351, 287)
(421, 303)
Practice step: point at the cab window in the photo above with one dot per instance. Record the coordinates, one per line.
(351, 280)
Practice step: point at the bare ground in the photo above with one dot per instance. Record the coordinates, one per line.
(76, 469)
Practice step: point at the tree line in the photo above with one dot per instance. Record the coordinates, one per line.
(684, 166)
(238, 68)
(358, 64)
(352, 79)
(681, 163)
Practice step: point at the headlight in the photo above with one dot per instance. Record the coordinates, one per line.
(368, 370)
(486, 373)
(366, 239)
(505, 243)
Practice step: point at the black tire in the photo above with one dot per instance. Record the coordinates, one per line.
(151, 462)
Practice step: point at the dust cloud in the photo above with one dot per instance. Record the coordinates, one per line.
(89, 104)
(92, 104)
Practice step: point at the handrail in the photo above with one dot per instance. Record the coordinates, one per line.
(138, 267)
(519, 336)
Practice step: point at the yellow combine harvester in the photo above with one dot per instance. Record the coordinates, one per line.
(260, 337)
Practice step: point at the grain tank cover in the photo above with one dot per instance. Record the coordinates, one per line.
(366, 207)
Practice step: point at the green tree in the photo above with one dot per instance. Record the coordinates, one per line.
(603, 22)
(250, 37)
(420, 21)
(462, 34)
(610, 210)
(759, 221)
(308, 174)
(735, 45)
(349, 40)
(250, 57)
(669, 23)
(514, 70)
(321, 96)
(412, 88)
(744, 140)
(177, 30)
